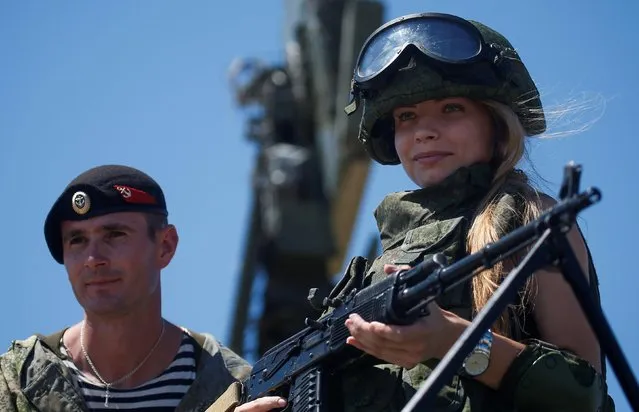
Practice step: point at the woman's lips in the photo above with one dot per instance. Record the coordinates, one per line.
(430, 158)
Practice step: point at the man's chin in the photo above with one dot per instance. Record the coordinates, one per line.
(104, 307)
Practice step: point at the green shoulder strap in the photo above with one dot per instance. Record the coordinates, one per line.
(52, 341)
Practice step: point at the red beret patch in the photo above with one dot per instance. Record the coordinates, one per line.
(132, 195)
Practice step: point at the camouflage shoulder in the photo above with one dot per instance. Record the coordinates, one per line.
(391, 199)
(237, 366)
(510, 205)
(11, 364)
(17, 353)
(523, 188)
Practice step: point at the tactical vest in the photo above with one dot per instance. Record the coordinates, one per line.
(414, 225)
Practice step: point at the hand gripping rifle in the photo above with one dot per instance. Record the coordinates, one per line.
(301, 367)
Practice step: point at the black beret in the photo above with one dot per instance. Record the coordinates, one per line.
(100, 191)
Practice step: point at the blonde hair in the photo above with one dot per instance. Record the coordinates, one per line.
(488, 225)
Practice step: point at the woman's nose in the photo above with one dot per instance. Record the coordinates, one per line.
(427, 129)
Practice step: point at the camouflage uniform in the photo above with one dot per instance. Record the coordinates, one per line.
(436, 219)
(414, 225)
(33, 376)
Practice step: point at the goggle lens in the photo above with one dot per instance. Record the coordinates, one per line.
(440, 38)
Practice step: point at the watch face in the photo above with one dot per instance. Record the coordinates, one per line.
(476, 364)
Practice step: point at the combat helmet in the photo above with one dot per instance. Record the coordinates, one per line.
(426, 56)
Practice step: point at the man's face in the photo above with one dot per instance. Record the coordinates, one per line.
(113, 263)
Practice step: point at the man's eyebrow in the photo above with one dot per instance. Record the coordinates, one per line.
(71, 234)
(117, 226)
(107, 227)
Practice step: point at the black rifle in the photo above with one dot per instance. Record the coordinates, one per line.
(551, 247)
(302, 368)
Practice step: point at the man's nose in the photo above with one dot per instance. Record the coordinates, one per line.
(95, 256)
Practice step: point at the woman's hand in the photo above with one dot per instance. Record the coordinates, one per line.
(430, 337)
(265, 404)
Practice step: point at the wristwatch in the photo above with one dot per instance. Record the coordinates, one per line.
(478, 360)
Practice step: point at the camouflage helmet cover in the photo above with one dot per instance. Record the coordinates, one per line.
(421, 82)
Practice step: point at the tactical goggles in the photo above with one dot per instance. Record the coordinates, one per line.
(448, 43)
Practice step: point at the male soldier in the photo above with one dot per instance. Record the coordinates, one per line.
(109, 228)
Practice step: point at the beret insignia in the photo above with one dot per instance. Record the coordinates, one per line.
(80, 202)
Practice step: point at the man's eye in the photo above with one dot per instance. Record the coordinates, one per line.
(76, 240)
(115, 233)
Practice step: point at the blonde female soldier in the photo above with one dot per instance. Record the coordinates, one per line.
(451, 101)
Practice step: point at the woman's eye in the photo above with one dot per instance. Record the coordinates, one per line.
(403, 116)
(453, 107)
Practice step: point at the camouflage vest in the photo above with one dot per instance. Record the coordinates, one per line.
(413, 225)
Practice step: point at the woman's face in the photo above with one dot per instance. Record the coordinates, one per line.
(436, 137)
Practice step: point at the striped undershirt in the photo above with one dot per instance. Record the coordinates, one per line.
(160, 394)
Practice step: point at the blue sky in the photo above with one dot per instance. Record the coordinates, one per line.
(145, 84)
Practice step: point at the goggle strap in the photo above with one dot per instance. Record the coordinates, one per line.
(352, 106)
(353, 103)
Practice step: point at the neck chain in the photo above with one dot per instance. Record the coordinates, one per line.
(108, 385)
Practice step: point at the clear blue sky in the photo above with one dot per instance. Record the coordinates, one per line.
(144, 84)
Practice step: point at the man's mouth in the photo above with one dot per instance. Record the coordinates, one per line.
(102, 282)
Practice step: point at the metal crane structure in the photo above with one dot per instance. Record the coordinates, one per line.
(309, 173)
